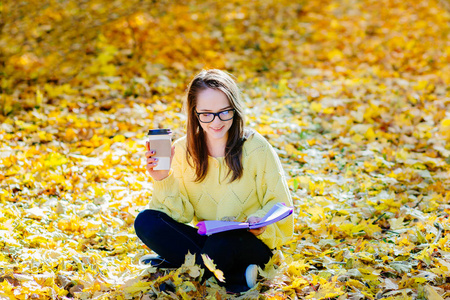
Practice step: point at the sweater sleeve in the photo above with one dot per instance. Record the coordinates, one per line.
(272, 189)
(170, 194)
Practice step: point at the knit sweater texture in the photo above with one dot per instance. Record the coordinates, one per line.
(261, 186)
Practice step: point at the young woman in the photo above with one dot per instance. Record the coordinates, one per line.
(219, 171)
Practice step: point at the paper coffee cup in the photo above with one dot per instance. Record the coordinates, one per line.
(161, 142)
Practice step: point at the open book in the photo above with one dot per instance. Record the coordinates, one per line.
(278, 212)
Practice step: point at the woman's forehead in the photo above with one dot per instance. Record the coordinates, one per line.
(212, 100)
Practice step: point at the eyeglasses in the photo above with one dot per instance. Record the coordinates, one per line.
(208, 117)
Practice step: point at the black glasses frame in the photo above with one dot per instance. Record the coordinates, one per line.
(217, 114)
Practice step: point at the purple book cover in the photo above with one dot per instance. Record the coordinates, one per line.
(278, 212)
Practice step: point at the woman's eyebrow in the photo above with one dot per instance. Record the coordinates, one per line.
(207, 110)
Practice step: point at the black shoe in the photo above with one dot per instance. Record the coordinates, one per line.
(156, 261)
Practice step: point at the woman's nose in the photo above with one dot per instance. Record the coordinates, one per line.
(216, 120)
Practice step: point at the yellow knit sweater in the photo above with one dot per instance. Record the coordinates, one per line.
(261, 186)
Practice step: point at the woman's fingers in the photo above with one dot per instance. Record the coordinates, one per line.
(151, 164)
(149, 154)
(151, 160)
(252, 220)
(258, 231)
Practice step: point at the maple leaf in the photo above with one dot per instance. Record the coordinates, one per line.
(209, 263)
(432, 294)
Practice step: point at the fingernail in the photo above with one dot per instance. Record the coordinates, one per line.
(152, 152)
(156, 159)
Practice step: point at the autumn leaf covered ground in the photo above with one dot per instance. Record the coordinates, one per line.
(354, 95)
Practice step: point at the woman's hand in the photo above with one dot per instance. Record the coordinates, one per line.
(256, 231)
(153, 162)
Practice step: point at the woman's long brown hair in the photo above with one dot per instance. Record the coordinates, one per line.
(197, 151)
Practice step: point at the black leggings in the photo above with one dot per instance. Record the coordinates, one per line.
(232, 251)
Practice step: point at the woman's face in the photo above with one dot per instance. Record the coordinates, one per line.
(214, 101)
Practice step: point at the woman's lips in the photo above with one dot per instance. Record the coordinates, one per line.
(217, 129)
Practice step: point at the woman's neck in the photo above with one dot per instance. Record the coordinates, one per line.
(216, 148)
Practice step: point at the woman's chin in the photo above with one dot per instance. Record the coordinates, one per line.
(216, 135)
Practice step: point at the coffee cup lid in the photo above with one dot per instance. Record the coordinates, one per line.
(159, 131)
